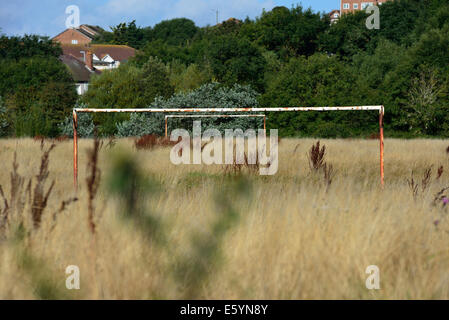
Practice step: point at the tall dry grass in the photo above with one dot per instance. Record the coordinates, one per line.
(153, 230)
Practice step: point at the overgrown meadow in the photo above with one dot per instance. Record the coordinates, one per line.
(140, 227)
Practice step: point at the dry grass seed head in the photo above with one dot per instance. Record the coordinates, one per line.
(40, 196)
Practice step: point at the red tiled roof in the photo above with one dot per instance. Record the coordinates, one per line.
(77, 68)
(117, 52)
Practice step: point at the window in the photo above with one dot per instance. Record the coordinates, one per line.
(345, 5)
(366, 4)
(335, 15)
(74, 41)
(356, 5)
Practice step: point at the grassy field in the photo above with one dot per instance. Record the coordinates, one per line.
(154, 230)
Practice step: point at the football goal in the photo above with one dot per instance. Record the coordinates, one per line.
(219, 111)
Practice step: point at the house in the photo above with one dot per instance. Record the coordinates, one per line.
(85, 60)
(356, 5)
(81, 71)
(105, 56)
(334, 15)
(84, 34)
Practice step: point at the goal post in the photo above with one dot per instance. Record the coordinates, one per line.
(380, 109)
(216, 116)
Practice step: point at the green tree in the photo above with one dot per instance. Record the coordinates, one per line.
(236, 60)
(127, 87)
(373, 74)
(401, 22)
(175, 31)
(425, 111)
(400, 28)
(39, 92)
(313, 82)
(440, 18)
(348, 36)
(291, 32)
(128, 34)
(165, 52)
(432, 48)
(424, 57)
(155, 80)
(15, 48)
(186, 78)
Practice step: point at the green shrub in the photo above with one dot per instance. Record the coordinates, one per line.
(212, 95)
(126, 87)
(85, 128)
(236, 60)
(188, 78)
(317, 81)
(16, 48)
(39, 93)
(4, 126)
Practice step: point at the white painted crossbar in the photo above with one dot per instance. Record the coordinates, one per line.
(215, 116)
(286, 109)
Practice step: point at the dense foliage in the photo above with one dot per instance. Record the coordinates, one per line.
(86, 126)
(28, 46)
(289, 57)
(3, 119)
(37, 89)
(295, 57)
(207, 96)
(127, 87)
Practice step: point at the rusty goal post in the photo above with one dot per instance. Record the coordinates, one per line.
(380, 109)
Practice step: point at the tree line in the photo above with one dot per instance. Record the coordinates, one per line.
(285, 57)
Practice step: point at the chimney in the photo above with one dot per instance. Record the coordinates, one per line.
(90, 60)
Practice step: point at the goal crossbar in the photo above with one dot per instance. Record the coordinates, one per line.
(380, 109)
(171, 110)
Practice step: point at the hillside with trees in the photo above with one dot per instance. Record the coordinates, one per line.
(287, 56)
(36, 89)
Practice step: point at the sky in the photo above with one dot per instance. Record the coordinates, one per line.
(48, 17)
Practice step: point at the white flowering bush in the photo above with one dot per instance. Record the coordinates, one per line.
(85, 124)
(4, 126)
(211, 95)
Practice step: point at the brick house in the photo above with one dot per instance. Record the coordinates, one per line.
(82, 35)
(104, 56)
(334, 15)
(81, 71)
(85, 60)
(356, 5)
